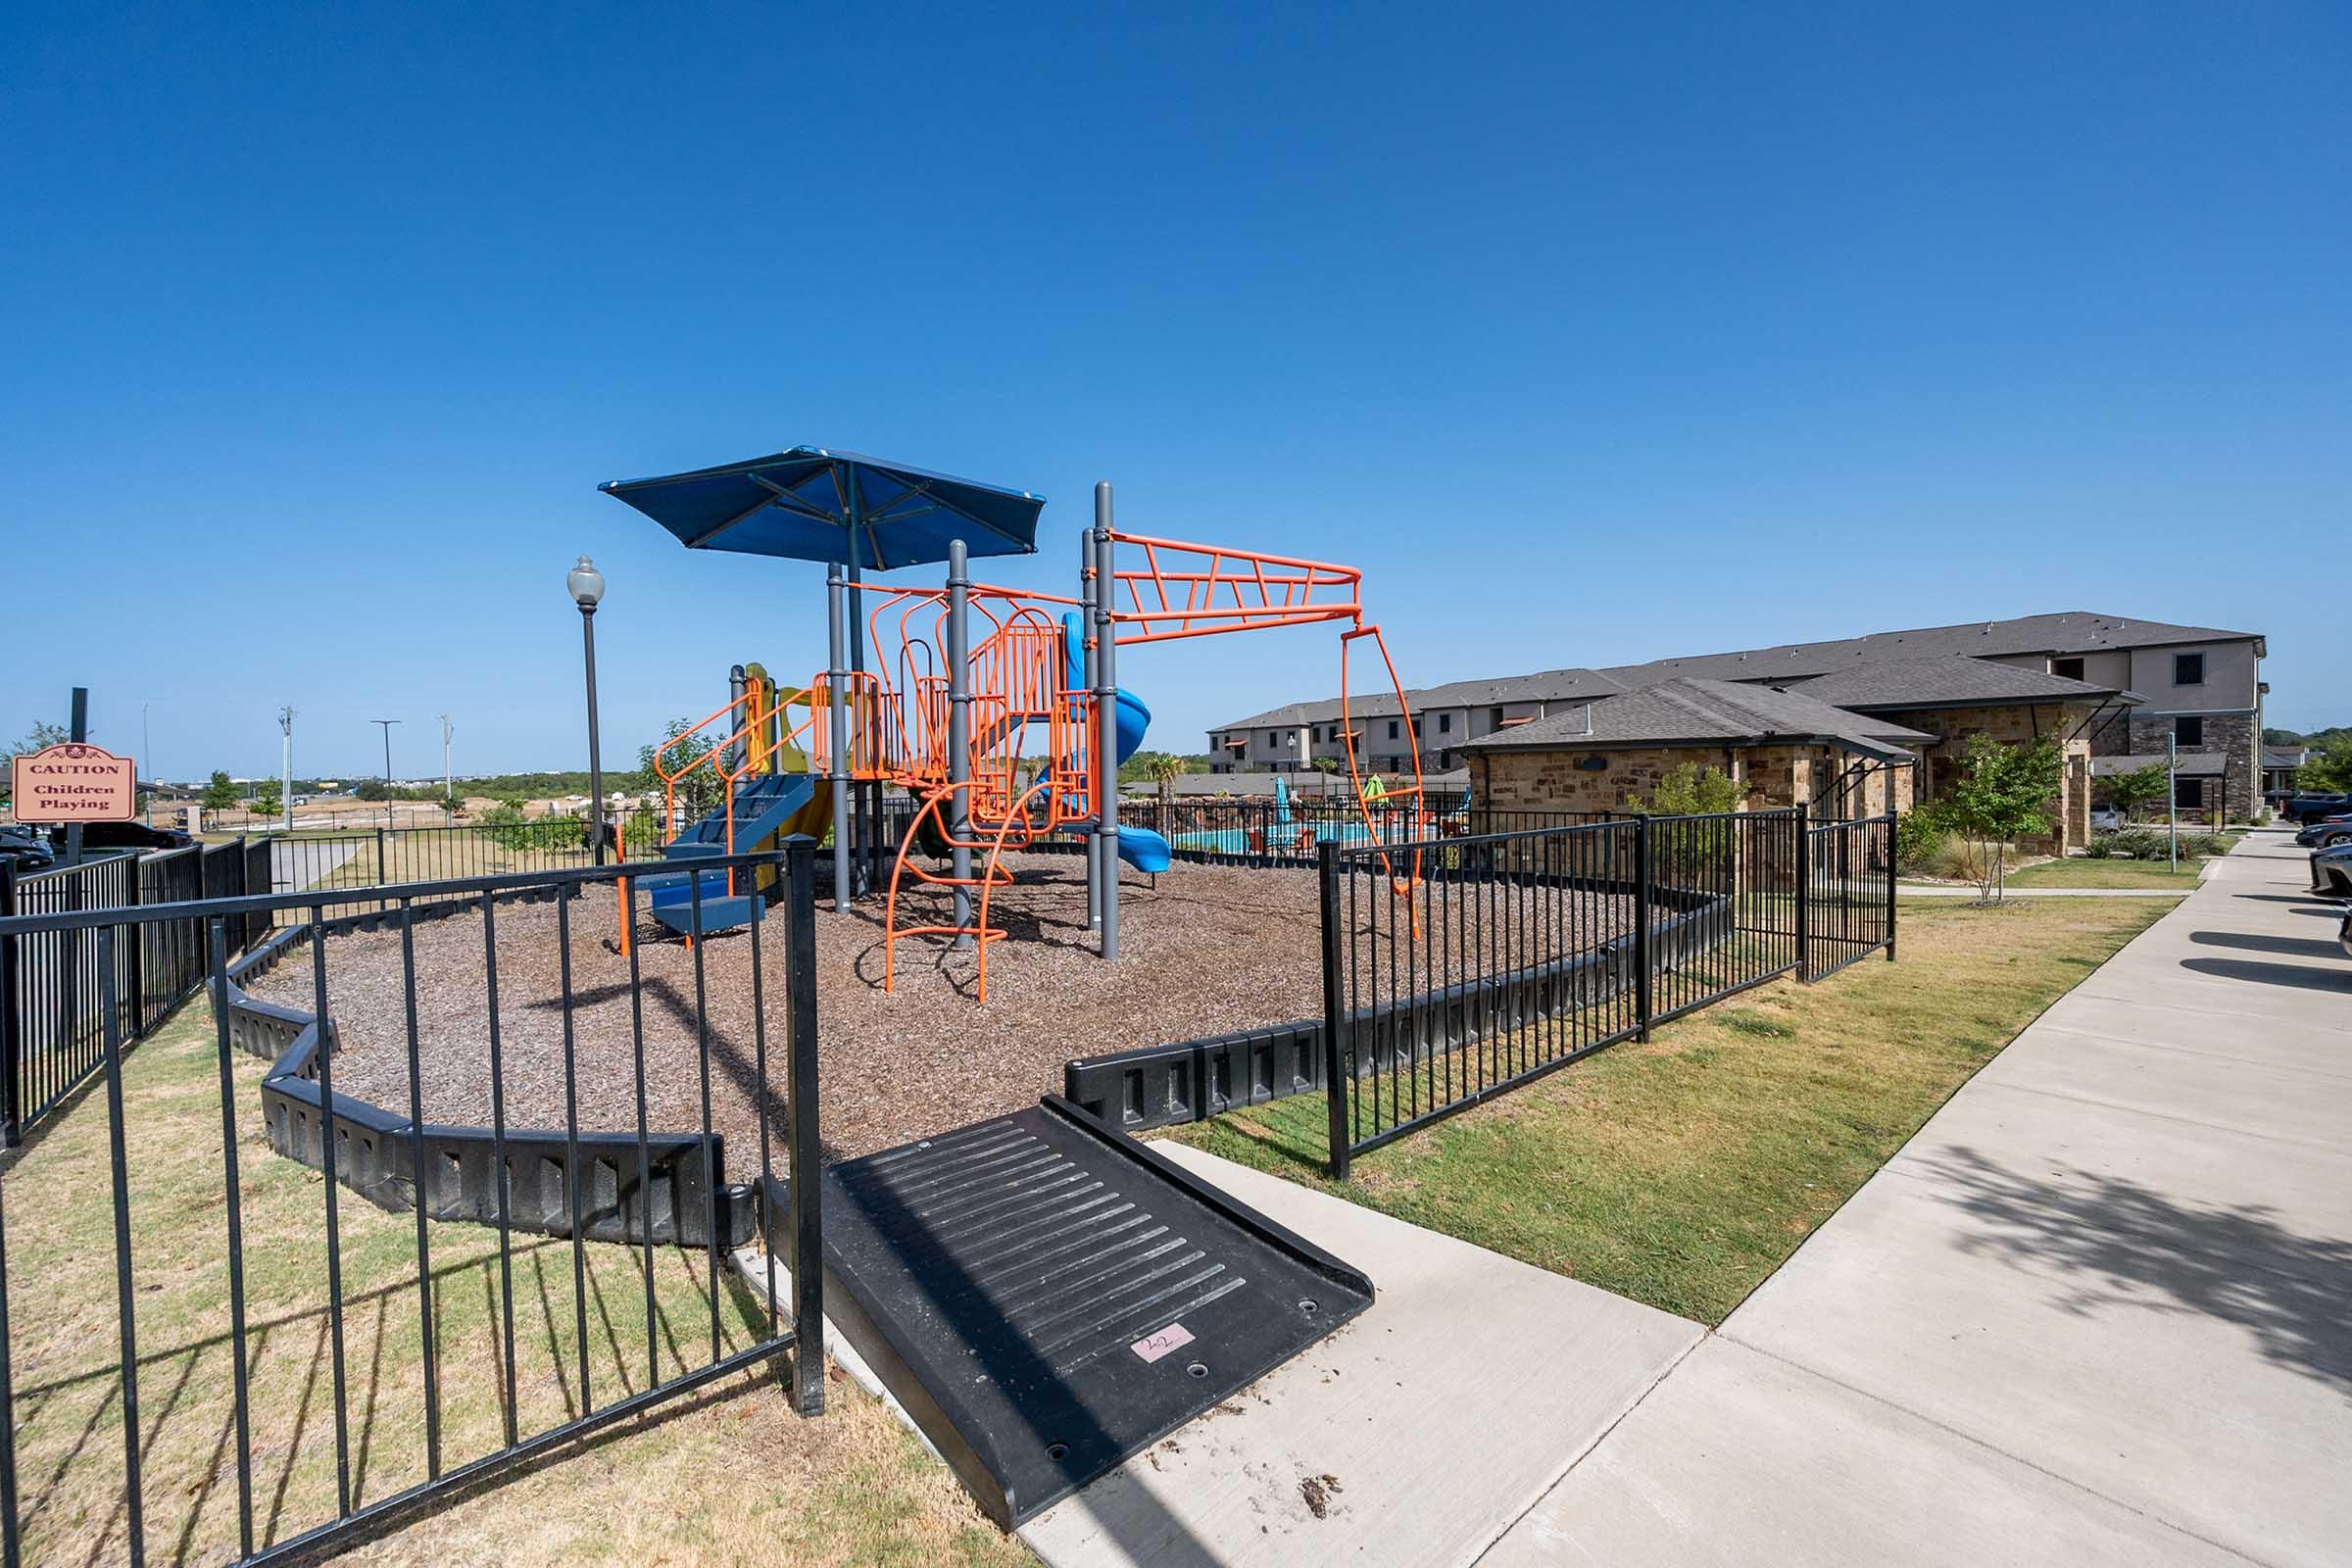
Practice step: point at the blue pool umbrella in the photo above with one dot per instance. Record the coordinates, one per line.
(824, 503)
(854, 513)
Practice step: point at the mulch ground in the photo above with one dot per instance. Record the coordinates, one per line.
(1208, 951)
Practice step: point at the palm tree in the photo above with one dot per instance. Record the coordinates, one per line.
(1163, 770)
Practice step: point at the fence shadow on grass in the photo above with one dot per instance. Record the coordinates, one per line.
(2128, 1247)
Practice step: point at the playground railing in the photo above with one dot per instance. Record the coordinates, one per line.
(499, 1291)
(1513, 952)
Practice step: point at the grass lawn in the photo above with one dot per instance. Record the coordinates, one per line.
(2081, 872)
(723, 1476)
(1681, 1172)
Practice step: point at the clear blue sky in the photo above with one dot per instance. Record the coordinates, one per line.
(1592, 333)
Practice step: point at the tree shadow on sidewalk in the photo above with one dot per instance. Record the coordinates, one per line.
(2137, 1249)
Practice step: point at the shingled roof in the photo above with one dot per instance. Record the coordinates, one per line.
(1947, 680)
(2072, 631)
(1705, 712)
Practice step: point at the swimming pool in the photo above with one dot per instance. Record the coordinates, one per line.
(1280, 840)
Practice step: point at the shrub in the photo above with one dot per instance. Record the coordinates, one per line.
(2099, 846)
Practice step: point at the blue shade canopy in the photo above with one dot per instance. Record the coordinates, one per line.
(817, 503)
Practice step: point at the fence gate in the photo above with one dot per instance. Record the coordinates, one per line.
(505, 1165)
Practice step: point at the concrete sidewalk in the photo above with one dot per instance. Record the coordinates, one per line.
(2099, 1310)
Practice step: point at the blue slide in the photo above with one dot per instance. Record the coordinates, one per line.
(1139, 847)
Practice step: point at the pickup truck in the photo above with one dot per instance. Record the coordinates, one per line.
(2308, 809)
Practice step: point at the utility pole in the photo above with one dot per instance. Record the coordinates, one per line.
(446, 790)
(285, 767)
(147, 763)
(2172, 802)
(387, 723)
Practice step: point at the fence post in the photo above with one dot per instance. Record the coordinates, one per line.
(1336, 1081)
(12, 1107)
(134, 934)
(1805, 898)
(1641, 1007)
(801, 1128)
(1890, 882)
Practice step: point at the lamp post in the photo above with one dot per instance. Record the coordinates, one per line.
(586, 586)
(387, 723)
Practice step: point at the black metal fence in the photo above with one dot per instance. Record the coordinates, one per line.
(288, 1371)
(1456, 969)
(1848, 910)
(1257, 830)
(53, 987)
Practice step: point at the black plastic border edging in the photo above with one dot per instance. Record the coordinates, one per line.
(1193, 1080)
(668, 1203)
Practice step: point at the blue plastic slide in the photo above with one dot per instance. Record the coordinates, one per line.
(1139, 847)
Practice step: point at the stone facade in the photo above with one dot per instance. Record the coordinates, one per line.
(2012, 724)
(1776, 776)
(2236, 737)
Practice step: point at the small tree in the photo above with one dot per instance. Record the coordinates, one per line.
(2001, 794)
(2129, 792)
(1691, 791)
(2330, 769)
(220, 795)
(267, 801)
(1164, 770)
(700, 790)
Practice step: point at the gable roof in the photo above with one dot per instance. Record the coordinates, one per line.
(1947, 680)
(1544, 686)
(2070, 632)
(1704, 713)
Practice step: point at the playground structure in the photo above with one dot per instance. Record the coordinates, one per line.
(948, 718)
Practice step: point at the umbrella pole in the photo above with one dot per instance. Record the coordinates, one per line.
(837, 727)
(959, 738)
(862, 850)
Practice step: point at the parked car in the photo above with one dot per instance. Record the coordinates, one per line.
(2331, 872)
(125, 836)
(2343, 934)
(22, 849)
(2311, 808)
(2107, 819)
(2327, 831)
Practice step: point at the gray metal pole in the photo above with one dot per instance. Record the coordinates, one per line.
(78, 729)
(2171, 803)
(959, 732)
(285, 765)
(1086, 633)
(596, 752)
(837, 727)
(1107, 712)
(861, 827)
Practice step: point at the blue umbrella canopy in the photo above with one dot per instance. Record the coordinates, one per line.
(822, 503)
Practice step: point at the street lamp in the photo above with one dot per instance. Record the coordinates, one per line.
(387, 723)
(586, 585)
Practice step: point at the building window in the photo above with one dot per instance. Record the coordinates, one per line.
(1391, 729)
(1445, 723)
(2188, 792)
(2189, 730)
(2188, 669)
(2067, 668)
(1495, 717)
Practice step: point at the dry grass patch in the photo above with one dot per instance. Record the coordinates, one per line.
(726, 1475)
(1682, 1171)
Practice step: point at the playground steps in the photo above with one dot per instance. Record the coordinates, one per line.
(1047, 1296)
(761, 807)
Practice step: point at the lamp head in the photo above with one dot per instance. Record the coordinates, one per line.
(586, 584)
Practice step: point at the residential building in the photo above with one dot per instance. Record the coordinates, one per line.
(1786, 747)
(2105, 685)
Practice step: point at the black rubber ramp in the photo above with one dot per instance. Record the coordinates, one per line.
(1046, 1296)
